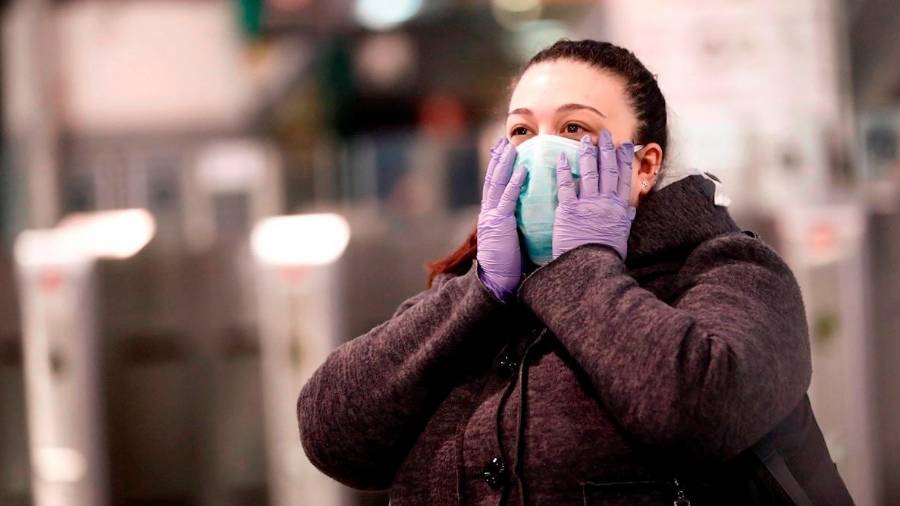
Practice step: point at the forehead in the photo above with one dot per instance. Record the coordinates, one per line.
(547, 85)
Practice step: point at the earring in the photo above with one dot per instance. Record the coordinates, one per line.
(644, 184)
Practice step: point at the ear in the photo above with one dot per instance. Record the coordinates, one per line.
(649, 161)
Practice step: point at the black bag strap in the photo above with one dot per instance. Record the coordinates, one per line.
(766, 452)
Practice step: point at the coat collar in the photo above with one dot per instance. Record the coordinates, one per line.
(670, 222)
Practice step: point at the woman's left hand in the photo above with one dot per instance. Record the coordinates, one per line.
(600, 213)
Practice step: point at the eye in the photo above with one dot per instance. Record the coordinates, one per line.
(519, 131)
(574, 128)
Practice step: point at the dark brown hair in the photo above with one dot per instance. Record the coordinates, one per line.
(645, 99)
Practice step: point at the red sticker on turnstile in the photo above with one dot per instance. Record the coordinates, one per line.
(293, 274)
(50, 280)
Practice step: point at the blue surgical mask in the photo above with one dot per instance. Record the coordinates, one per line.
(536, 206)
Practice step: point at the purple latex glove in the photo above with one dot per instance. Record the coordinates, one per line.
(499, 256)
(600, 212)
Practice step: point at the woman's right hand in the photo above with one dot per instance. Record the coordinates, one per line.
(499, 256)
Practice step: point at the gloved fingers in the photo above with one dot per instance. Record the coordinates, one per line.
(565, 185)
(625, 154)
(500, 175)
(496, 151)
(507, 205)
(609, 169)
(587, 164)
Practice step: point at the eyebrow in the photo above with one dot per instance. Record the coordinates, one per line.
(564, 107)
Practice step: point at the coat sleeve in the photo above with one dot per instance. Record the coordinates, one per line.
(709, 374)
(363, 408)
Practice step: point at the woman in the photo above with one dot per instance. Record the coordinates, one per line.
(636, 349)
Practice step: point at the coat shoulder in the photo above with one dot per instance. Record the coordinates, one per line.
(741, 246)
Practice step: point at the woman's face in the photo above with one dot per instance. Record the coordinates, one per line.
(570, 99)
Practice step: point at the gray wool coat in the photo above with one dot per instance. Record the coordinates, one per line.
(605, 382)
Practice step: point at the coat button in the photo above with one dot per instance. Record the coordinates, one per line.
(494, 473)
(507, 364)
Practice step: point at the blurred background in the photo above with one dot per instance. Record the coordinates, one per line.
(200, 198)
